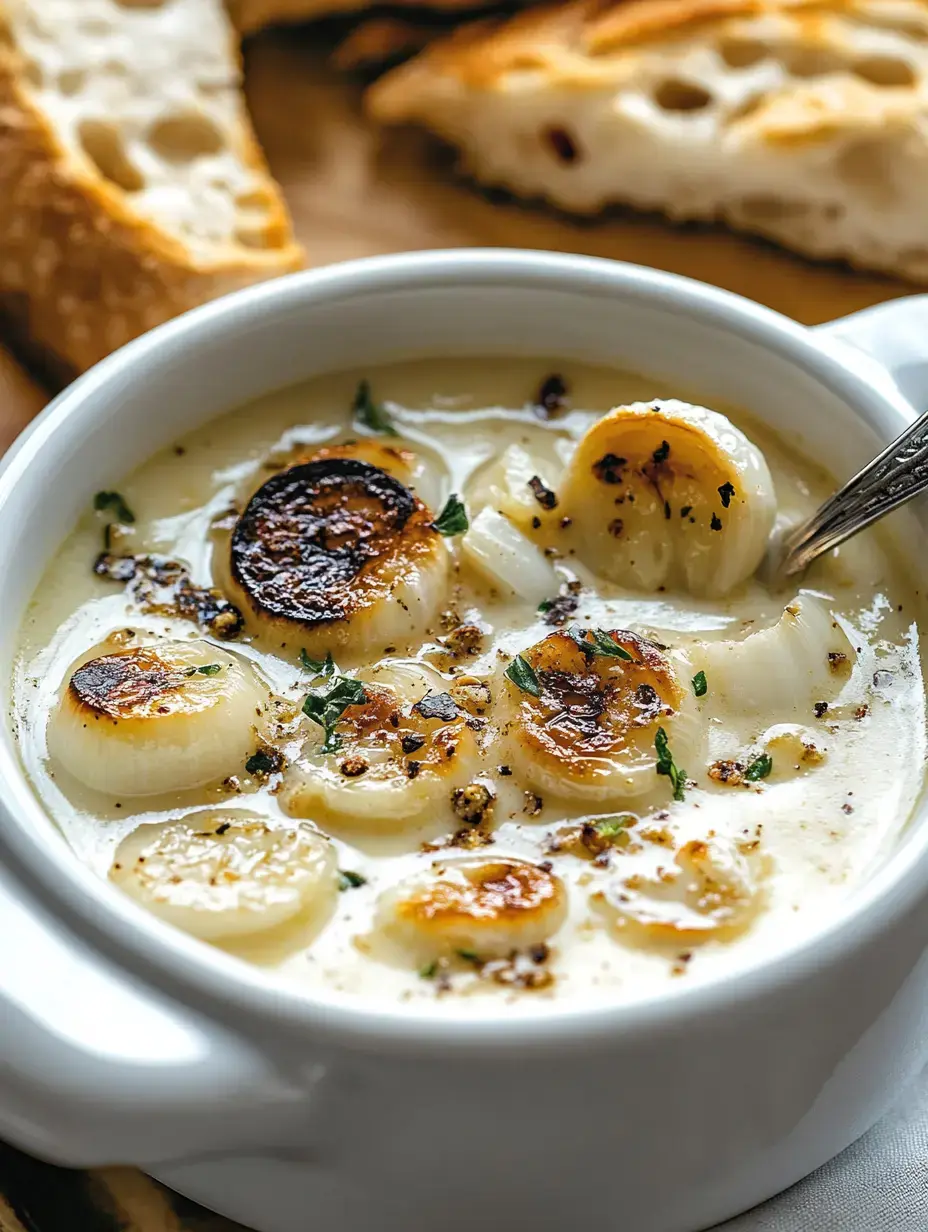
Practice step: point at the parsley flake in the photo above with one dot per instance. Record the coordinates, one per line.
(726, 492)
(759, 768)
(429, 971)
(116, 502)
(318, 667)
(263, 763)
(611, 827)
(522, 675)
(453, 519)
(208, 669)
(603, 646)
(700, 684)
(667, 766)
(470, 956)
(349, 880)
(327, 706)
(369, 413)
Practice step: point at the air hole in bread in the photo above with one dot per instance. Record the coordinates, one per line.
(886, 71)
(811, 61)
(742, 52)
(102, 142)
(183, 138)
(561, 143)
(71, 81)
(676, 95)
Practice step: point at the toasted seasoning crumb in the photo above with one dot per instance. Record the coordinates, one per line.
(504, 771)
(440, 706)
(565, 522)
(354, 766)
(609, 468)
(473, 804)
(682, 962)
(536, 522)
(661, 454)
(819, 709)
(413, 768)
(615, 528)
(533, 804)
(667, 510)
(223, 827)
(726, 492)
(561, 609)
(685, 511)
(730, 773)
(464, 640)
(836, 660)
(551, 396)
(264, 762)
(412, 743)
(861, 712)
(545, 497)
(847, 808)
(716, 522)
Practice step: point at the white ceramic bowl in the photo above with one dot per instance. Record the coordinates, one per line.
(123, 1041)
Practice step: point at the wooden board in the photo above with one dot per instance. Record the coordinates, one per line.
(354, 193)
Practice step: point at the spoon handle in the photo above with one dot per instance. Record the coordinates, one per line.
(895, 476)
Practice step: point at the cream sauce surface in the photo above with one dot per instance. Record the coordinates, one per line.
(818, 825)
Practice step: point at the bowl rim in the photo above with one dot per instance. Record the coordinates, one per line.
(201, 977)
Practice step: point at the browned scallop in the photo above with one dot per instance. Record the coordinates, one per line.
(156, 719)
(590, 731)
(336, 554)
(485, 907)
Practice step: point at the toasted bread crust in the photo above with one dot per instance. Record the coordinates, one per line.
(91, 272)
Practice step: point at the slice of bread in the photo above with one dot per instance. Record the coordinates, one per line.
(131, 186)
(805, 121)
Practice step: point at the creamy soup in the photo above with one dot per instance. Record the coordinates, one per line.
(443, 683)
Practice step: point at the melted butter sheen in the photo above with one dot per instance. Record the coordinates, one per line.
(764, 862)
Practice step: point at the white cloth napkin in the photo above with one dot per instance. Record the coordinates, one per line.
(880, 1184)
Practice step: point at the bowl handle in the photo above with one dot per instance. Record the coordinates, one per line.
(96, 1068)
(890, 345)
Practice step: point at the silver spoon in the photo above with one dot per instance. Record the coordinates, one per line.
(895, 476)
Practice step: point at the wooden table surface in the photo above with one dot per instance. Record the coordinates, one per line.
(353, 193)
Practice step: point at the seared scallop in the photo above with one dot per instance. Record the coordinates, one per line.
(668, 494)
(226, 873)
(583, 720)
(484, 907)
(335, 555)
(710, 890)
(161, 718)
(397, 754)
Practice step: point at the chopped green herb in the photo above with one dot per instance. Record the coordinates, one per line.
(612, 827)
(349, 880)
(667, 766)
(468, 955)
(726, 492)
(208, 669)
(116, 502)
(602, 646)
(326, 707)
(522, 675)
(759, 768)
(429, 971)
(318, 667)
(369, 413)
(700, 684)
(261, 763)
(453, 519)
(662, 453)
(546, 605)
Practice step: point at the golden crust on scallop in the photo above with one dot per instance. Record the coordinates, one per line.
(489, 907)
(325, 550)
(591, 729)
(139, 684)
